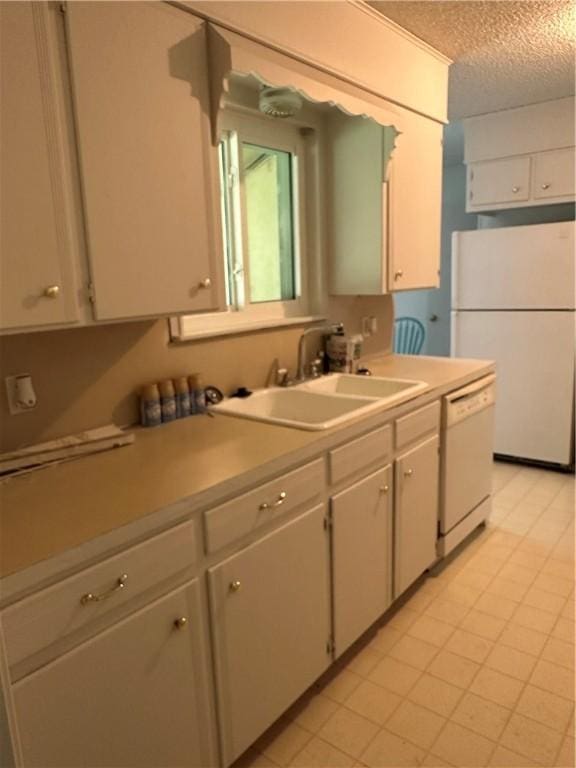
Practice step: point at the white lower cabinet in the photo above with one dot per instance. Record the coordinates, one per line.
(361, 556)
(141, 692)
(270, 607)
(133, 695)
(416, 513)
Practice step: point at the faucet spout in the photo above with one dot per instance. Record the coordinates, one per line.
(331, 328)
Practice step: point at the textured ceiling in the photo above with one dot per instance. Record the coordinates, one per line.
(506, 54)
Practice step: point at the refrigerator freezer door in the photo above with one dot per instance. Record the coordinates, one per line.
(534, 354)
(529, 267)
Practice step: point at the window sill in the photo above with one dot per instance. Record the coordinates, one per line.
(179, 334)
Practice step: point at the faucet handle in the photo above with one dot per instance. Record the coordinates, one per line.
(316, 368)
(283, 379)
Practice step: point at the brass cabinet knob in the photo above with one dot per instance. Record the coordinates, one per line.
(206, 283)
(545, 186)
(180, 622)
(398, 274)
(384, 489)
(515, 189)
(235, 586)
(52, 291)
(408, 473)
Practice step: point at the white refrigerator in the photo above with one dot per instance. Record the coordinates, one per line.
(513, 300)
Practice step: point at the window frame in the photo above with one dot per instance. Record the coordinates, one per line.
(288, 136)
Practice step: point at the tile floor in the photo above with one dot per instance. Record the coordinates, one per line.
(476, 668)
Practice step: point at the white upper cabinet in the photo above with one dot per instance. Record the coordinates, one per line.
(520, 157)
(499, 181)
(385, 197)
(140, 84)
(415, 204)
(359, 150)
(554, 174)
(36, 242)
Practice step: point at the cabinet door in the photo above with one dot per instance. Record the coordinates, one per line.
(37, 277)
(554, 174)
(141, 98)
(357, 198)
(361, 556)
(414, 200)
(134, 695)
(498, 181)
(416, 517)
(271, 624)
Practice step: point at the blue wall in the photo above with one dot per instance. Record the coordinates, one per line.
(436, 303)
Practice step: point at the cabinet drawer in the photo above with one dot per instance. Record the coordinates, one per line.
(55, 612)
(247, 513)
(364, 453)
(423, 422)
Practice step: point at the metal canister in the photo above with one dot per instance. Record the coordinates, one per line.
(167, 400)
(182, 397)
(197, 394)
(150, 411)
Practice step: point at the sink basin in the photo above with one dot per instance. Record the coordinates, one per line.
(298, 407)
(388, 390)
(322, 403)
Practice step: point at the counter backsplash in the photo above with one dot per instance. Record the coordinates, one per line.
(87, 377)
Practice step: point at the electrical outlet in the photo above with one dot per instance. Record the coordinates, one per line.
(366, 326)
(373, 325)
(20, 392)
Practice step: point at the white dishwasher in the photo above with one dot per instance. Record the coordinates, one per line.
(466, 461)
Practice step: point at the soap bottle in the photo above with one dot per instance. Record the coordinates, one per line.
(182, 397)
(150, 412)
(167, 400)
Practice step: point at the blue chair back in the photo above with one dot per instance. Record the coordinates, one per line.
(409, 334)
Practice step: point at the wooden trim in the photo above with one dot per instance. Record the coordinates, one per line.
(395, 27)
(215, 18)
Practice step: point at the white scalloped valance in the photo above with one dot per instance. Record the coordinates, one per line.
(231, 54)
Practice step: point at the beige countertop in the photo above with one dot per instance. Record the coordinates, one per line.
(48, 512)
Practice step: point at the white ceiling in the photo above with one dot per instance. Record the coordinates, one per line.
(506, 54)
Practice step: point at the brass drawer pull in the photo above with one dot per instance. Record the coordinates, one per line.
(89, 597)
(270, 505)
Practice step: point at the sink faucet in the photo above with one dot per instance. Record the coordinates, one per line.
(332, 328)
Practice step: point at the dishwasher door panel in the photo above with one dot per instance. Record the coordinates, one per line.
(467, 475)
